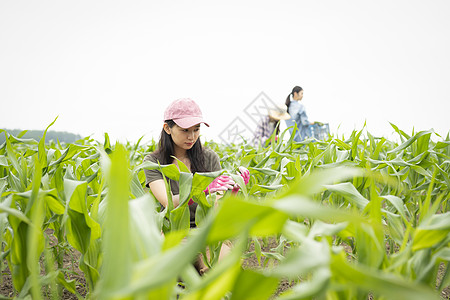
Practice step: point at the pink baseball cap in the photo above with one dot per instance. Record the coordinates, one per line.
(185, 113)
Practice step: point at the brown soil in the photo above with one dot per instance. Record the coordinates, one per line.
(252, 263)
(69, 267)
(71, 271)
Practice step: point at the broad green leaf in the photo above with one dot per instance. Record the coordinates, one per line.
(309, 257)
(14, 212)
(35, 238)
(180, 217)
(54, 203)
(158, 269)
(41, 146)
(185, 187)
(200, 181)
(222, 277)
(76, 197)
(115, 276)
(428, 238)
(265, 171)
(320, 228)
(78, 232)
(3, 161)
(350, 193)
(314, 287)
(251, 285)
(436, 222)
(236, 215)
(147, 239)
(398, 204)
(309, 185)
(182, 166)
(410, 141)
(377, 282)
(11, 154)
(296, 206)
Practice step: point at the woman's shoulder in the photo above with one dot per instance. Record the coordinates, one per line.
(152, 156)
(209, 153)
(295, 104)
(212, 160)
(296, 107)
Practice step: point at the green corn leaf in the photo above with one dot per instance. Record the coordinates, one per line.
(136, 188)
(265, 171)
(182, 166)
(400, 132)
(115, 276)
(78, 232)
(310, 256)
(398, 204)
(309, 185)
(350, 193)
(299, 206)
(431, 231)
(179, 218)
(35, 238)
(251, 285)
(107, 144)
(18, 251)
(76, 194)
(11, 154)
(200, 181)
(41, 146)
(320, 228)
(3, 161)
(410, 141)
(222, 277)
(257, 249)
(147, 239)
(315, 287)
(185, 187)
(4, 208)
(380, 284)
(152, 273)
(235, 215)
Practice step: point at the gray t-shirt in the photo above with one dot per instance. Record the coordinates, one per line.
(211, 162)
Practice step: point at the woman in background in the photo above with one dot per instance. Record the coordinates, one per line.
(298, 114)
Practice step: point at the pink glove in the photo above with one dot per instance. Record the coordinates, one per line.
(221, 183)
(245, 175)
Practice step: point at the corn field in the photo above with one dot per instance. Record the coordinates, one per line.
(347, 218)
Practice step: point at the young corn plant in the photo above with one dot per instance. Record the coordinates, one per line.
(351, 218)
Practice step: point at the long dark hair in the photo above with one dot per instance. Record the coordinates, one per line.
(296, 89)
(166, 151)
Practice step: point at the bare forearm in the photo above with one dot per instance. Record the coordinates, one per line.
(158, 189)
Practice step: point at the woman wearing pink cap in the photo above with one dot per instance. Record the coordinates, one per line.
(180, 138)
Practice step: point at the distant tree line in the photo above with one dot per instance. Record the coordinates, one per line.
(62, 136)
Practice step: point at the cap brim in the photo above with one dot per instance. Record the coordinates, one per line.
(279, 116)
(189, 122)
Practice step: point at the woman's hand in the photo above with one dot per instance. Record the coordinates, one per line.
(245, 174)
(221, 183)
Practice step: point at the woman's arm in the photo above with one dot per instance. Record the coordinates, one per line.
(302, 116)
(158, 189)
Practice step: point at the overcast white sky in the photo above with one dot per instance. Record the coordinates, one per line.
(114, 66)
